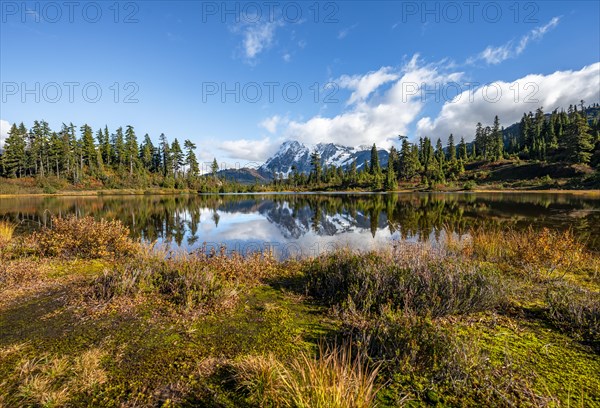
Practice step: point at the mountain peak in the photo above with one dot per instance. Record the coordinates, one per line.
(296, 154)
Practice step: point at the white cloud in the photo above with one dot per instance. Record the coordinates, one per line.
(343, 33)
(4, 129)
(247, 150)
(287, 57)
(495, 55)
(364, 85)
(536, 33)
(258, 37)
(373, 117)
(272, 123)
(556, 90)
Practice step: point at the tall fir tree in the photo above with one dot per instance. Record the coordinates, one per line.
(451, 148)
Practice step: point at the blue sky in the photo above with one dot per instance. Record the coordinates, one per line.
(173, 63)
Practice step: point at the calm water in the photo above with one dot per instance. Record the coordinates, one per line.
(307, 224)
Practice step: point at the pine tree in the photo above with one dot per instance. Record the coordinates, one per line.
(147, 154)
(88, 149)
(579, 140)
(496, 141)
(451, 148)
(375, 168)
(131, 148)
(315, 162)
(55, 154)
(14, 153)
(391, 183)
(353, 172)
(409, 160)
(479, 141)
(463, 154)
(104, 145)
(166, 159)
(119, 149)
(190, 159)
(439, 153)
(214, 168)
(177, 157)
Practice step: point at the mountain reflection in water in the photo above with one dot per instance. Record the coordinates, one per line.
(308, 224)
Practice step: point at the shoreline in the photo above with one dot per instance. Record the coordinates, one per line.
(133, 192)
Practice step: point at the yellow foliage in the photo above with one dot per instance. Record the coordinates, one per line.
(84, 238)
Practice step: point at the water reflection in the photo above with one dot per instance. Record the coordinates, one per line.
(312, 223)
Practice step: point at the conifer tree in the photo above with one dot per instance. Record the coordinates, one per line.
(14, 153)
(375, 168)
(451, 148)
(190, 159)
(131, 148)
(177, 157)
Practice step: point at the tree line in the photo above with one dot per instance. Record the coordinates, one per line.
(570, 137)
(116, 159)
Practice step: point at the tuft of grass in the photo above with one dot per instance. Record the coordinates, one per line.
(51, 381)
(261, 377)
(7, 230)
(336, 378)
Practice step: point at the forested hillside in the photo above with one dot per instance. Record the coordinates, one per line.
(75, 156)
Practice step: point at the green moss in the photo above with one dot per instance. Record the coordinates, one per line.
(154, 354)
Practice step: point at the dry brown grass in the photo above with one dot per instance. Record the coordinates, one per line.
(540, 254)
(50, 380)
(7, 230)
(335, 379)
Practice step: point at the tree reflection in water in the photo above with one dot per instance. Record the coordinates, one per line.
(190, 220)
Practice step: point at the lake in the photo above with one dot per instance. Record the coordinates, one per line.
(309, 224)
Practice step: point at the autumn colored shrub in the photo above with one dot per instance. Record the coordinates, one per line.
(541, 253)
(84, 237)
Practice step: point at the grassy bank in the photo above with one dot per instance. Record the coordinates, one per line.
(88, 317)
(39, 187)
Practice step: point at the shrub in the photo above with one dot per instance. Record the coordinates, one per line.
(470, 185)
(185, 283)
(371, 281)
(84, 237)
(200, 283)
(574, 310)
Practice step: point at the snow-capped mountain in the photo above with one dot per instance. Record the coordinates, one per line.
(293, 153)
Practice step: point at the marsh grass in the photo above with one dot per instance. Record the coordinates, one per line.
(336, 378)
(418, 323)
